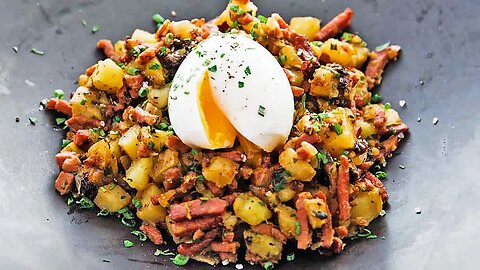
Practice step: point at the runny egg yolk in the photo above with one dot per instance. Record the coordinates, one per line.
(219, 131)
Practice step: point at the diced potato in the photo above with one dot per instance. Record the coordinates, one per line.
(72, 147)
(251, 209)
(368, 129)
(287, 193)
(112, 198)
(299, 169)
(159, 138)
(120, 48)
(108, 76)
(392, 118)
(287, 220)
(155, 73)
(265, 247)
(308, 26)
(115, 149)
(366, 207)
(325, 83)
(337, 143)
(182, 29)
(143, 36)
(149, 212)
(343, 53)
(138, 174)
(291, 58)
(129, 142)
(85, 102)
(159, 97)
(164, 161)
(316, 212)
(221, 171)
(297, 77)
(100, 154)
(360, 89)
(229, 220)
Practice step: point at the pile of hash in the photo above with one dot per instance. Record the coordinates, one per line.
(322, 187)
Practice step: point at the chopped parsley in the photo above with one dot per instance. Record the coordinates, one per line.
(84, 22)
(65, 143)
(37, 51)
(194, 151)
(282, 58)
(297, 228)
(86, 203)
(143, 92)
(158, 19)
(58, 94)
(163, 50)
(222, 55)
(291, 257)
(70, 201)
(137, 203)
(344, 153)
(268, 266)
(381, 175)
(166, 252)
(254, 35)
(103, 213)
(128, 243)
(338, 129)
(261, 110)
(317, 43)
(132, 71)
(117, 119)
(382, 47)
(262, 18)
(154, 66)
(213, 68)
(83, 101)
(207, 62)
(234, 25)
(388, 106)
(322, 157)
(180, 260)
(376, 98)
(151, 145)
(347, 36)
(60, 120)
(279, 179)
(364, 233)
(141, 236)
(32, 120)
(248, 71)
(237, 10)
(95, 29)
(241, 84)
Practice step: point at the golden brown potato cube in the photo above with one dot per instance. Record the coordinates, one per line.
(265, 247)
(316, 212)
(342, 136)
(112, 198)
(307, 26)
(392, 118)
(251, 209)
(289, 57)
(155, 73)
(299, 169)
(159, 97)
(143, 36)
(221, 171)
(325, 83)
(108, 76)
(287, 193)
(368, 129)
(252, 151)
(343, 53)
(138, 174)
(129, 142)
(287, 220)
(164, 161)
(84, 102)
(100, 154)
(366, 207)
(182, 29)
(229, 220)
(149, 212)
(72, 147)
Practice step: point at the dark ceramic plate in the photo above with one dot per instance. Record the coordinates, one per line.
(437, 75)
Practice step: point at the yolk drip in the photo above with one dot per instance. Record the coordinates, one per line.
(219, 131)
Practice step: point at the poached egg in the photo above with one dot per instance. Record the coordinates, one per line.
(228, 85)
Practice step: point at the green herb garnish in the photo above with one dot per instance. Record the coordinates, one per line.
(376, 98)
(86, 203)
(166, 252)
(95, 29)
(261, 110)
(37, 51)
(60, 120)
(103, 213)
(65, 143)
(84, 22)
(58, 94)
(180, 260)
(70, 201)
(282, 58)
(248, 71)
(241, 84)
(128, 243)
(194, 151)
(143, 92)
(132, 71)
(382, 47)
(83, 102)
(32, 120)
(151, 145)
(322, 157)
(291, 257)
(388, 106)
(297, 228)
(117, 119)
(141, 236)
(364, 233)
(279, 179)
(381, 175)
(262, 18)
(338, 129)
(268, 266)
(213, 68)
(158, 19)
(154, 66)
(137, 203)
